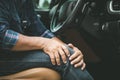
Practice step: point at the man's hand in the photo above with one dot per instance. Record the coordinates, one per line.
(77, 58)
(56, 49)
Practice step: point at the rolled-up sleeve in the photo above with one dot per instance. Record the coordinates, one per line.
(48, 34)
(8, 38)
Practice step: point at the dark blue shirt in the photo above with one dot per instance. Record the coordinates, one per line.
(18, 16)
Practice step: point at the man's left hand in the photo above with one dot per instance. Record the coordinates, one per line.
(77, 58)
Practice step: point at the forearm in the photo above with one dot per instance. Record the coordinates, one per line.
(25, 43)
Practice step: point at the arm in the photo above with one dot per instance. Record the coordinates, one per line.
(50, 46)
(53, 47)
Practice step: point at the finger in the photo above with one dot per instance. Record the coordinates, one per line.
(57, 58)
(63, 55)
(52, 58)
(66, 50)
(83, 66)
(76, 50)
(75, 55)
(80, 64)
(70, 45)
(77, 60)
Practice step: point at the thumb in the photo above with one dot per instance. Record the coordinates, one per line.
(71, 45)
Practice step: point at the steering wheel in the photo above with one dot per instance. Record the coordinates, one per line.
(64, 13)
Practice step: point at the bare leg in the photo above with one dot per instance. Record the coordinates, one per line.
(34, 74)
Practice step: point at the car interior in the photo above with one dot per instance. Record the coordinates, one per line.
(84, 23)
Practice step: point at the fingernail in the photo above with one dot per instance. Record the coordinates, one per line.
(53, 63)
(75, 66)
(65, 62)
(81, 68)
(72, 63)
(68, 55)
(58, 63)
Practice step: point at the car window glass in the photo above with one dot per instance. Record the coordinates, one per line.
(42, 4)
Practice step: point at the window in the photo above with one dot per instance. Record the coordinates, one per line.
(42, 4)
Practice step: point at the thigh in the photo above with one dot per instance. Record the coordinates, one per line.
(34, 74)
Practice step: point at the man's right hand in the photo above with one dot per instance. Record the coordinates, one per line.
(56, 49)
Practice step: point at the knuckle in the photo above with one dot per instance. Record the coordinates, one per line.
(63, 55)
(84, 64)
(64, 47)
(80, 58)
(81, 55)
(52, 57)
(57, 57)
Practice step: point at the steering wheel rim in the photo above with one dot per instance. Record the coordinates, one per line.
(55, 24)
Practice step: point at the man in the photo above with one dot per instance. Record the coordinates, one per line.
(26, 44)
